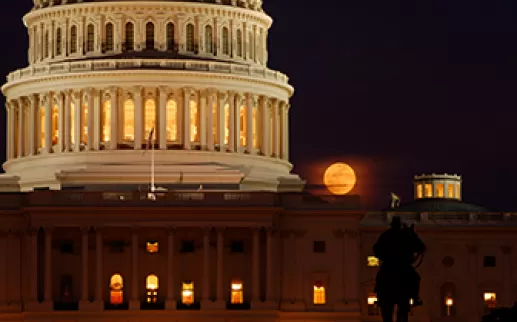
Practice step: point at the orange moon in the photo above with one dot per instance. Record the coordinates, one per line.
(339, 178)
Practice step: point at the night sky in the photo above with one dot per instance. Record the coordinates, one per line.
(394, 88)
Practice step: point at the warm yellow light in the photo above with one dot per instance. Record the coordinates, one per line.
(152, 247)
(152, 282)
(236, 286)
(489, 296)
(187, 294)
(449, 301)
(372, 299)
(411, 301)
(236, 293)
(339, 178)
(373, 261)
(319, 295)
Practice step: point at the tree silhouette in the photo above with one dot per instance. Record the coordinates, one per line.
(503, 314)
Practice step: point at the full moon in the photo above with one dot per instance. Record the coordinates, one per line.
(339, 178)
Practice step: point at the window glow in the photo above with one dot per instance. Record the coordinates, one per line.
(243, 125)
(209, 43)
(255, 125)
(458, 195)
(440, 190)
(84, 124)
(190, 37)
(490, 299)
(187, 293)
(373, 261)
(129, 120)
(194, 121)
(106, 121)
(152, 288)
(42, 126)
(116, 289)
(449, 301)
(109, 37)
(236, 293)
(419, 191)
(55, 124)
(428, 190)
(227, 124)
(319, 294)
(72, 122)
(172, 127)
(149, 117)
(215, 122)
(372, 304)
(450, 191)
(152, 247)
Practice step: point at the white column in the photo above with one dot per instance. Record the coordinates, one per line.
(48, 124)
(231, 139)
(202, 120)
(96, 117)
(91, 118)
(114, 118)
(255, 297)
(210, 121)
(285, 132)
(237, 124)
(139, 120)
(84, 264)
(162, 114)
(171, 271)
(78, 116)
(21, 134)
(33, 107)
(33, 267)
(276, 130)
(220, 259)
(68, 121)
(266, 149)
(134, 265)
(48, 265)
(250, 102)
(206, 264)
(99, 283)
(186, 118)
(221, 120)
(9, 132)
(60, 122)
(269, 265)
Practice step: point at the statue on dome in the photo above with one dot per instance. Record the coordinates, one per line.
(395, 200)
(397, 281)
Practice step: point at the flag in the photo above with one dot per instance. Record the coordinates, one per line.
(150, 140)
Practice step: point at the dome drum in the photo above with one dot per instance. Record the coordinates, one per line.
(445, 186)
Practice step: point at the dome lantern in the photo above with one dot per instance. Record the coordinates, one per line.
(442, 186)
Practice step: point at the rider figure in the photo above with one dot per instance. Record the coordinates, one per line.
(397, 249)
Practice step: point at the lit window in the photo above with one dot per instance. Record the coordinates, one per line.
(187, 293)
(458, 196)
(194, 121)
(84, 124)
(72, 123)
(42, 126)
(372, 305)
(440, 190)
(172, 128)
(226, 124)
(129, 120)
(372, 261)
(236, 293)
(419, 191)
(490, 299)
(150, 117)
(152, 288)
(152, 247)
(190, 37)
(428, 190)
(55, 124)
(450, 191)
(106, 121)
(116, 289)
(215, 122)
(319, 294)
(244, 124)
(449, 305)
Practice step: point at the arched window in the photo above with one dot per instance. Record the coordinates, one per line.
(47, 52)
(109, 37)
(129, 120)
(194, 121)
(130, 36)
(244, 125)
(250, 46)
(226, 41)
(215, 118)
(172, 116)
(187, 293)
(490, 300)
(66, 289)
(319, 296)
(255, 124)
(42, 126)
(90, 38)
(149, 117)
(72, 122)
(170, 36)
(227, 124)
(209, 41)
(239, 43)
(448, 299)
(190, 37)
(73, 40)
(84, 123)
(58, 41)
(371, 301)
(236, 292)
(106, 121)
(116, 289)
(151, 284)
(55, 124)
(149, 36)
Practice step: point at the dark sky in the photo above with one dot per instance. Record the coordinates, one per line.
(395, 88)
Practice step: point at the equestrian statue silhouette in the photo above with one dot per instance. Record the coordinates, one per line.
(398, 282)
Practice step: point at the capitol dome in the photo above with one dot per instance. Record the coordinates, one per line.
(105, 76)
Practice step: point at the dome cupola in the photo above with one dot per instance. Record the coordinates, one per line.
(444, 186)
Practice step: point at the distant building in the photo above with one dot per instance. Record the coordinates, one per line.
(226, 232)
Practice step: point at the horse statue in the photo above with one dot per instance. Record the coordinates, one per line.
(397, 282)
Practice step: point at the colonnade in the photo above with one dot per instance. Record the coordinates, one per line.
(114, 118)
(100, 280)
